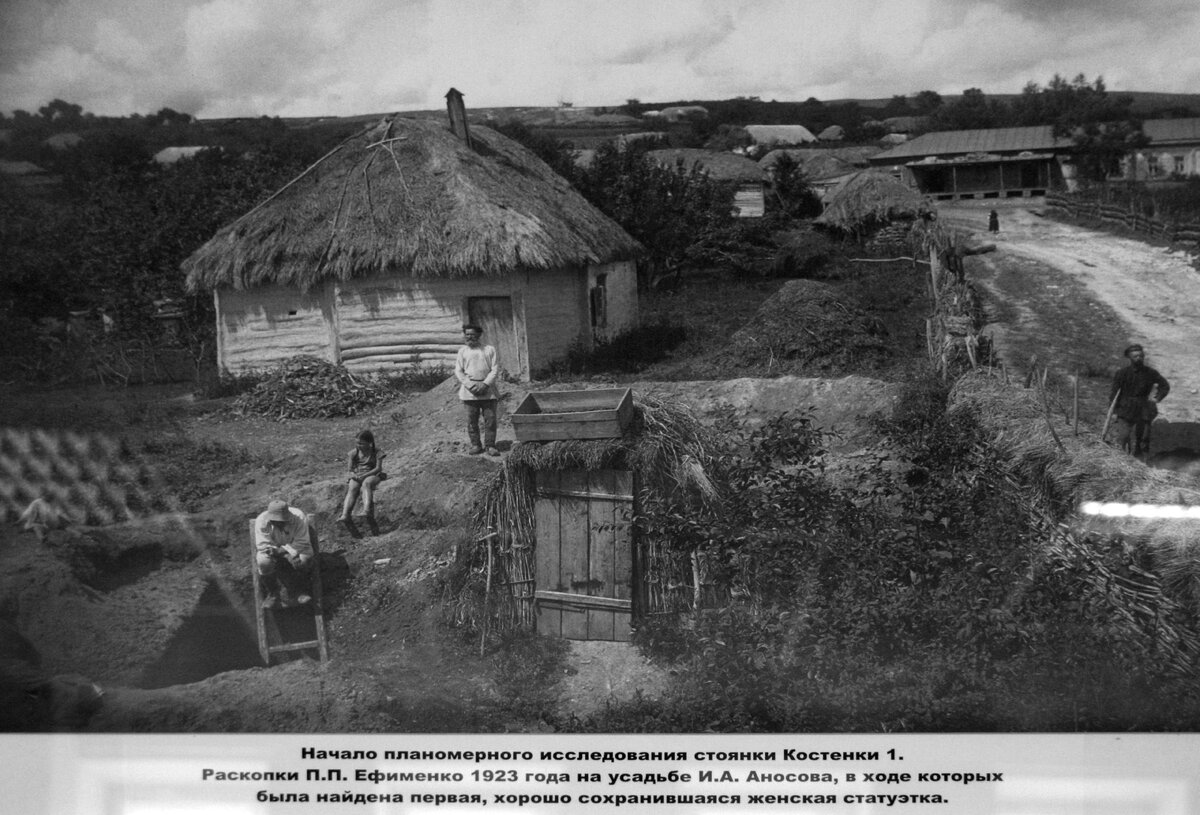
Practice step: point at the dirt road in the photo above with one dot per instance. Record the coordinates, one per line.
(1082, 295)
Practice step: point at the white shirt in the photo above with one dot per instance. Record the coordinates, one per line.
(480, 364)
(293, 534)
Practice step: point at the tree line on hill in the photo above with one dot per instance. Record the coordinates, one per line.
(1061, 102)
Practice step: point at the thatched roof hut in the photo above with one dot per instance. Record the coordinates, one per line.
(719, 166)
(742, 173)
(378, 253)
(867, 199)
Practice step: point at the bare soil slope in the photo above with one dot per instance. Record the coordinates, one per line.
(156, 608)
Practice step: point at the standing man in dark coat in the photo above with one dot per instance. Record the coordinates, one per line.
(1137, 389)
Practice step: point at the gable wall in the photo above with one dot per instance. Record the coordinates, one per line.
(556, 314)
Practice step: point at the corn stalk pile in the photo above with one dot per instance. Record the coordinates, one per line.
(306, 387)
(953, 330)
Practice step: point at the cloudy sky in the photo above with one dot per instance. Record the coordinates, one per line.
(217, 58)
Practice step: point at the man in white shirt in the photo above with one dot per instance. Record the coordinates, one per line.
(285, 541)
(476, 368)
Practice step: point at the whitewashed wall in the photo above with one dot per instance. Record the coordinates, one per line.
(556, 314)
(391, 323)
(266, 325)
(748, 201)
(622, 297)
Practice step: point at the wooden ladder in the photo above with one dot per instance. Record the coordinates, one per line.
(268, 628)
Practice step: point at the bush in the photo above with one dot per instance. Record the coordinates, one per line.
(629, 352)
(932, 609)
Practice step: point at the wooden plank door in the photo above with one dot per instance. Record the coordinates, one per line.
(495, 316)
(584, 557)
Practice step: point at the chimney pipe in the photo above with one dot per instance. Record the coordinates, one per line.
(458, 115)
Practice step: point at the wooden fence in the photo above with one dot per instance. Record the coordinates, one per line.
(1115, 214)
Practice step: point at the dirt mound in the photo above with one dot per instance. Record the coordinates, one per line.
(808, 327)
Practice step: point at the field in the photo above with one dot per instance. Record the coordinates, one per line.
(155, 607)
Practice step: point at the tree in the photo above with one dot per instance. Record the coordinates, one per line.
(972, 111)
(792, 195)
(926, 103)
(897, 106)
(1102, 127)
(670, 210)
(63, 115)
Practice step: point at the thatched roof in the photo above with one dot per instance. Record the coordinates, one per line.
(822, 162)
(408, 197)
(816, 164)
(867, 197)
(719, 166)
(768, 135)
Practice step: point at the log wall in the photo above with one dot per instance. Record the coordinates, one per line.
(262, 327)
(386, 323)
(399, 322)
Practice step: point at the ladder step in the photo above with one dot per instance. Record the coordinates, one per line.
(294, 646)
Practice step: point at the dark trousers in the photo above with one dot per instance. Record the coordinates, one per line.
(486, 408)
(1132, 437)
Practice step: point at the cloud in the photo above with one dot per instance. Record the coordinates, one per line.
(310, 57)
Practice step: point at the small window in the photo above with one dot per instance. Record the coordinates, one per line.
(1179, 166)
(1152, 166)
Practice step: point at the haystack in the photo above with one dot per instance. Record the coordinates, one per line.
(868, 199)
(807, 328)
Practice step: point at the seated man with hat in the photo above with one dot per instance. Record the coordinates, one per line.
(285, 541)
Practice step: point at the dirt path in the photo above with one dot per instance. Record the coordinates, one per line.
(1095, 288)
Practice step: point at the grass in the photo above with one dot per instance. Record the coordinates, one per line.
(1056, 323)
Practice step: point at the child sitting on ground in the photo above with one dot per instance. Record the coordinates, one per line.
(366, 471)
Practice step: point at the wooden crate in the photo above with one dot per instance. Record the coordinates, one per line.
(603, 413)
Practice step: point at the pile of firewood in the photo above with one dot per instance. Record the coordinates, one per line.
(306, 387)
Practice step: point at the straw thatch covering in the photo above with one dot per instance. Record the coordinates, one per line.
(1147, 571)
(669, 452)
(768, 135)
(816, 165)
(869, 198)
(719, 166)
(408, 197)
(807, 328)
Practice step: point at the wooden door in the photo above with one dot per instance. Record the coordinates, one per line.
(495, 316)
(584, 557)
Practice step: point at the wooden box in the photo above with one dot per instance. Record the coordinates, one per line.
(603, 413)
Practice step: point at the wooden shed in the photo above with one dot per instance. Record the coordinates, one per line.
(377, 255)
(565, 539)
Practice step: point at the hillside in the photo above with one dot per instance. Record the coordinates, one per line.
(922, 540)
